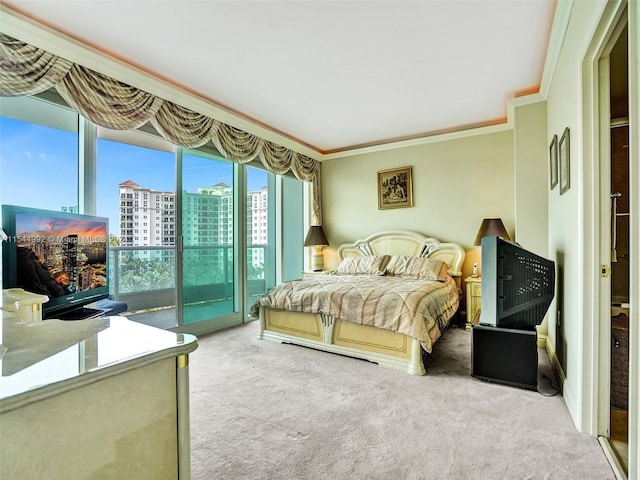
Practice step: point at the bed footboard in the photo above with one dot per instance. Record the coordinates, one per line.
(386, 348)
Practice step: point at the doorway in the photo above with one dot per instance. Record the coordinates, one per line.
(619, 341)
(615, 233)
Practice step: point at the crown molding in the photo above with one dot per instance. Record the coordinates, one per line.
(514, 103)
(436, 138)
(556, 41)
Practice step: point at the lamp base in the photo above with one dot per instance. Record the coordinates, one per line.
(317, 259)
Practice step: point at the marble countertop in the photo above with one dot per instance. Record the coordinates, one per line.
(40, 359)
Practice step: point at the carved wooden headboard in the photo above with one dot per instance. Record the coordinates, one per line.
(407, 242)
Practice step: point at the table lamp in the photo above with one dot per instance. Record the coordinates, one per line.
(490, 227)
(316, 239)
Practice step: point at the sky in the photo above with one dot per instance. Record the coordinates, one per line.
(38, 168)
(54, 229)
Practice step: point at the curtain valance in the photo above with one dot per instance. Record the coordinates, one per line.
(27, 70)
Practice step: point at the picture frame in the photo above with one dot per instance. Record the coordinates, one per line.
(553, 163)
(564, 161)
(395, 188)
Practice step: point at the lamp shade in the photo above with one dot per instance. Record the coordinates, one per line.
(491, 227)
(315, 237)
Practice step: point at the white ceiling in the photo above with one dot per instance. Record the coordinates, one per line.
(331, 75)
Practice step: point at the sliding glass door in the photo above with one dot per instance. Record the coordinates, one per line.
(208, 239)
(260, 225)
(135, 189)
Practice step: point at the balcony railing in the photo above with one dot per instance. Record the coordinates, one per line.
(145, 277)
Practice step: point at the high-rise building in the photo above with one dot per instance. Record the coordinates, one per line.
(70, 259)
(207, 221)
(147, 217)
(257, 226)
(207, 216)
(257, 204)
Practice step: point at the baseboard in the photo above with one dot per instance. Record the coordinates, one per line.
(542, 341)
(568, 394)
(555, 363)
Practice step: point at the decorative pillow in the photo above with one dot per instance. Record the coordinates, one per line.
(417, 267)
(367, 265)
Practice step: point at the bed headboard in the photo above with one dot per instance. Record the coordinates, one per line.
(406, 242)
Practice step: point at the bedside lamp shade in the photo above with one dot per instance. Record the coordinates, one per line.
(491, 227)
(317, 239)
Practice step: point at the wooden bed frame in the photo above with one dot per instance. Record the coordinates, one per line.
(386, 348)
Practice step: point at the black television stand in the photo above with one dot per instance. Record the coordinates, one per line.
(505, 355)
(81, 313)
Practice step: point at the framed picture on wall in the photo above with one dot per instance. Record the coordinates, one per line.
(553, 163)
(564, 152)
(394, 188)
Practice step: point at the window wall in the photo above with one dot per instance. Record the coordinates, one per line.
(188, 261)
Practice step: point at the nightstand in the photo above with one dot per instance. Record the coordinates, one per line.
(313, 273)
(474, 297)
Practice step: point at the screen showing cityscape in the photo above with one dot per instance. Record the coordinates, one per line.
(59, 256)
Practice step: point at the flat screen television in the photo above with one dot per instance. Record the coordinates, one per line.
(58, 254)
(517, 285)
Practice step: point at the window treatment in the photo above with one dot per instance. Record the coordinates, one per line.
(28, 70)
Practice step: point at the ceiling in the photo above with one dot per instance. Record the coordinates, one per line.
(329, 75)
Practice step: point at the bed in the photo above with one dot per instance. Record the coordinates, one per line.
(388, 301)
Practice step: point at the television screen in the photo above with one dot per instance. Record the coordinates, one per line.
(58, 254)
(517, 285)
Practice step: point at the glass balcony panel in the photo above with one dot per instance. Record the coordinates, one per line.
(144, 278)
(208, 289)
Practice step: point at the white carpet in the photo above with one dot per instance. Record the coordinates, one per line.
(261, 410)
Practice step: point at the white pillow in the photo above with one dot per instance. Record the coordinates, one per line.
(367, 265)
(417, 267)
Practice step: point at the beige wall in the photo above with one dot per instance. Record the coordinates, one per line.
(456, 183)
(568, 214)
(531, 176)
(531, 179)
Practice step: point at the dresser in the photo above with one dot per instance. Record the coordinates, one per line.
(96, 398)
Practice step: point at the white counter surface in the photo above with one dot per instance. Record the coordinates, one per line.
(46, 358)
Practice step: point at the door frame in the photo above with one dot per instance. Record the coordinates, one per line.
(596, 292)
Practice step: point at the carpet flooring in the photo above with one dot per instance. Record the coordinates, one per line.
(262, 410)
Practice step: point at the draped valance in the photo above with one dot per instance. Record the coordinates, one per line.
(28, 70)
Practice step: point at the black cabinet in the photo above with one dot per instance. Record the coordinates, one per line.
(505, 355)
